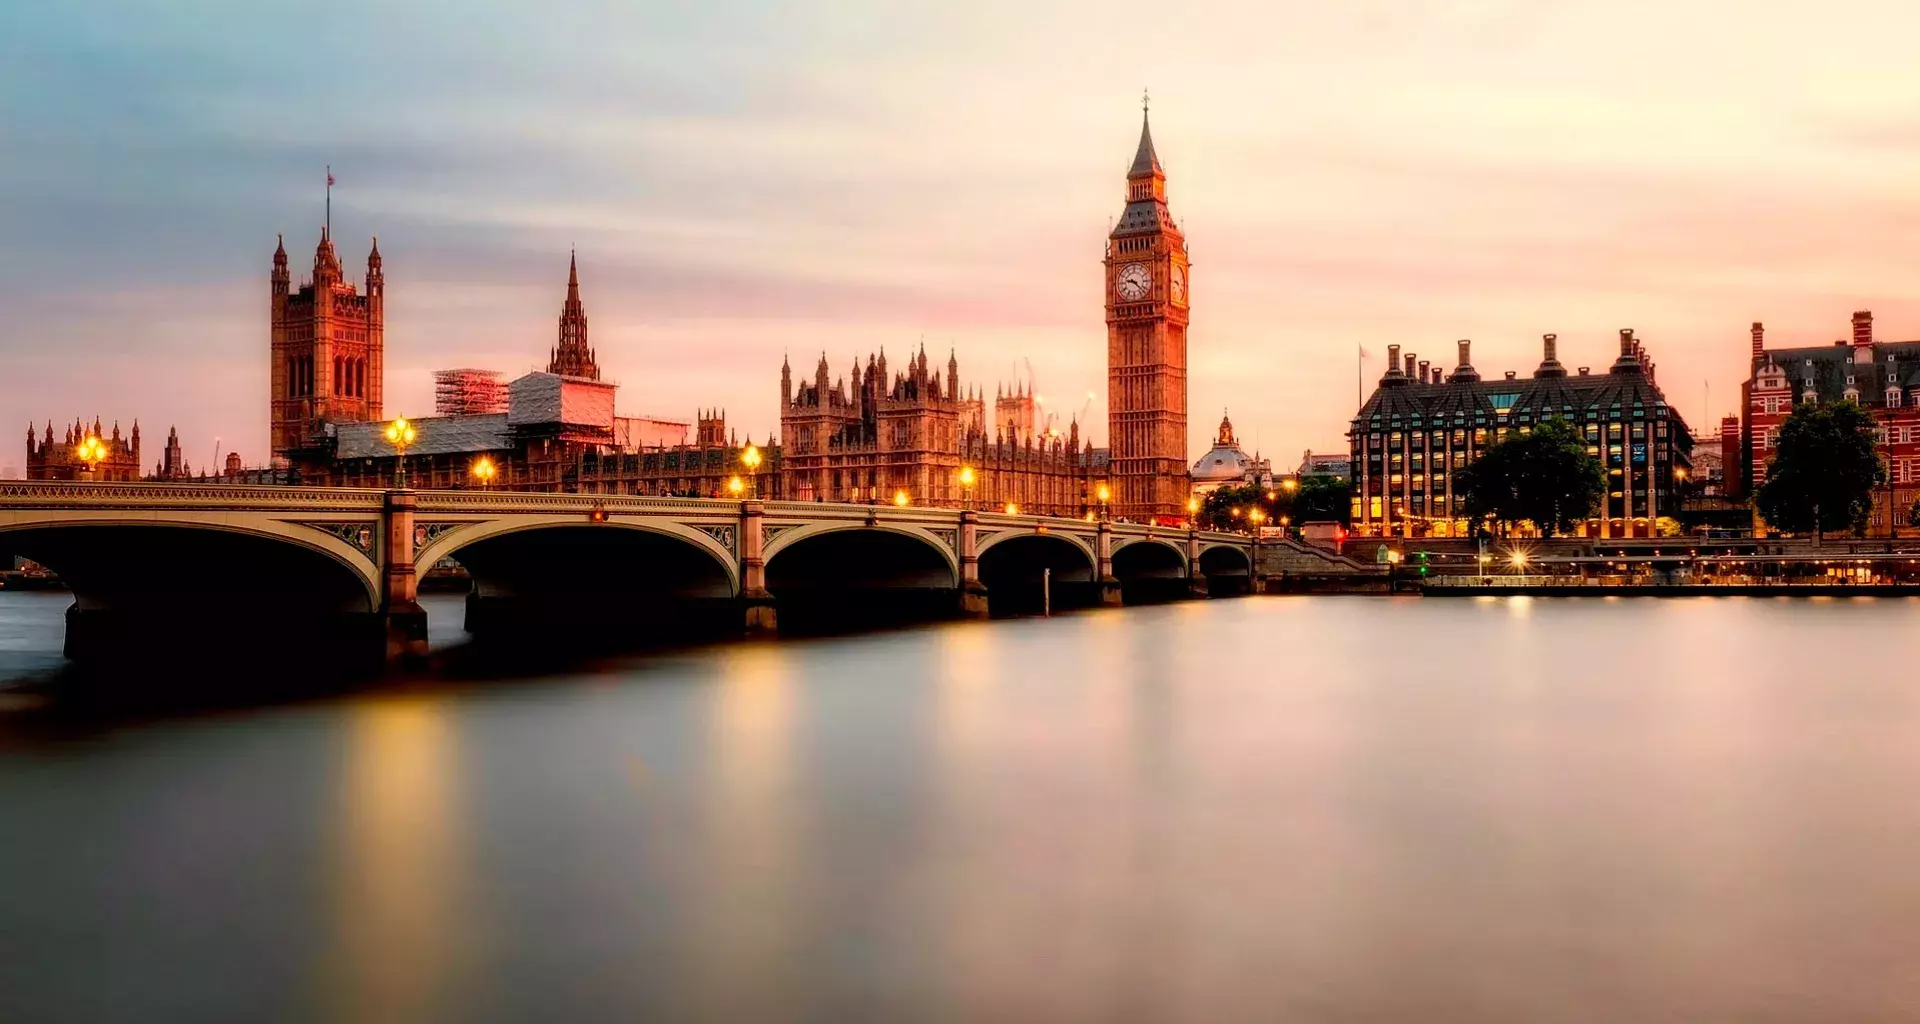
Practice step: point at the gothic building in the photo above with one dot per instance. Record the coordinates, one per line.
(876, 437)
(1147, 305)
(571, 357)
(1422, 425)
(327, 348)
(48, 459)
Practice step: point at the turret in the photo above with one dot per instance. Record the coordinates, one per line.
(376, 277)
(786, 383)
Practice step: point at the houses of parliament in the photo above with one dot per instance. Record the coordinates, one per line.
(881, 433)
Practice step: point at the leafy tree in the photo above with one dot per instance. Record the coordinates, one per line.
(1544, 477)
(1312, 500)
(1322, 499)
(1913, 513)
(1823, 472)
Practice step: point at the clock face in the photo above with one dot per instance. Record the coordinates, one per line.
(1178, 281)
(1134, 282)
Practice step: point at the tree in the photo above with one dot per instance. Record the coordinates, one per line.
(1312, 500)
(1544, 477)
(1823, 472)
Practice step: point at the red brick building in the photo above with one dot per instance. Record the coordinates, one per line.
(1883, 377)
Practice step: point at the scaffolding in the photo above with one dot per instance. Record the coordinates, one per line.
(468, 392)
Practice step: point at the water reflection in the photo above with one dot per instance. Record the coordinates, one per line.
(1312, 808)
(396, 881)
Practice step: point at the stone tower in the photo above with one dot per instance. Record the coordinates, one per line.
(328, 348)
(571, 357)
(1147, 293)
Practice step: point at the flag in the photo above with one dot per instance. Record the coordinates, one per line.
(329, 177)
(1364, 354)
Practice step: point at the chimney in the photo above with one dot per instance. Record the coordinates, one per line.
(1863, 327)
(1410, 361)
(1759, 342)
(1393, 365)
(1465, 371)
(1629, 361)
(1549, 357)
(1436, 375)
(1423, 371)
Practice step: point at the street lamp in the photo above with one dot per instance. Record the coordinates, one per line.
(1104, 495)
(735, 487)
(91, 451)
(751, 459)
(1289, 483)
(484, 471)
(1013, 509)
(1193, 512)
(400, 434)
(966, 485)
(900, 498)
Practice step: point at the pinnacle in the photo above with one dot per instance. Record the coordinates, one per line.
(1145, 160)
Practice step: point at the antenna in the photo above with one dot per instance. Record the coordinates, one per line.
(329, 200)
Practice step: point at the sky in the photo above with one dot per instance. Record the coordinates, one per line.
(747, 181)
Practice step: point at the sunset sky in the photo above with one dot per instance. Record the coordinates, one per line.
(745, 180)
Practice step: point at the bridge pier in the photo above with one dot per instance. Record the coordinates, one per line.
(1196, 580)
(759, 612)
(404, 621)
(1104, 581)
(973, 593)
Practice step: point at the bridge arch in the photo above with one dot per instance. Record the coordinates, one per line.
(1025, 571)
(1148, 557)
(559, 578)
(450, 542)
(831, 576)
(252, 587)
(1225, 560)
(852, 537)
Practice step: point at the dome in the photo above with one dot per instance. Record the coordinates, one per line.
(1225, 463)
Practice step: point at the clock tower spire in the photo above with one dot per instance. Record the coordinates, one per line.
(1146, 271)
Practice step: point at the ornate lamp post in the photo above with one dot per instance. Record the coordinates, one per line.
(735, 487)
(1193, 513)
(966, 486)
(484, 471)
(92, 452)
(900, 498)
(1013, 509)
(1105, 496)
(751, 459)
(400, 434)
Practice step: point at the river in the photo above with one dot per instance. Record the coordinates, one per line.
(1282, 808)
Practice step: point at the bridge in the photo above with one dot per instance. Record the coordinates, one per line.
(290, 573)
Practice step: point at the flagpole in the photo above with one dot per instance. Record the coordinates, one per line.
(329, 200)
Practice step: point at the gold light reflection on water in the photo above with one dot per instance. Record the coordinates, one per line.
(396, 873)
(750, 876)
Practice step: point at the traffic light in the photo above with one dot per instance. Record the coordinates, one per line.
(1420, 560)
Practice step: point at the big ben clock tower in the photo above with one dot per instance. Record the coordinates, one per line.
(1147, 293)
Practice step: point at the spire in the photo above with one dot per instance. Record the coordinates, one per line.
(572, 357)
(1145, 160)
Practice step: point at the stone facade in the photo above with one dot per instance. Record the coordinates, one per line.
(1147, 289)
(327, 348)
(879, 438)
